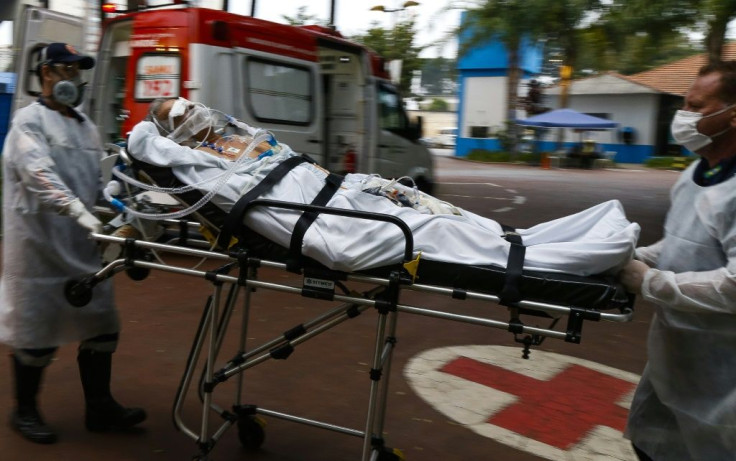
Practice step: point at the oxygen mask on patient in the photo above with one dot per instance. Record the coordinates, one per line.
(189, 122)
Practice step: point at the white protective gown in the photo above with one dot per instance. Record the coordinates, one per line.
(684, 408)
(593, 241)
(48, 161)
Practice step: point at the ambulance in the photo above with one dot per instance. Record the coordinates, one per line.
(323, 95)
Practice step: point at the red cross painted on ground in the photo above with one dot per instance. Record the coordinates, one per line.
(558, 412)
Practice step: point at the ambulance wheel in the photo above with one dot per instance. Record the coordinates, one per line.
(77, 293)
(391, 454)
(251, 432)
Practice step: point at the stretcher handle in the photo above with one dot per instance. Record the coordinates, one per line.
(408, 236)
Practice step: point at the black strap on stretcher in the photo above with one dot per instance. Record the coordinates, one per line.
(510, 293)
(294, 261)
(234, 219)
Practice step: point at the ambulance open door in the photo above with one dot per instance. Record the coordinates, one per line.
(35, 28)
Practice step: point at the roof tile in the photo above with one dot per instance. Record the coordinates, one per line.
(676, 77)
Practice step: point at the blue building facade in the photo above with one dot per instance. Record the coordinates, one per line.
(7, 89)
(482, 108)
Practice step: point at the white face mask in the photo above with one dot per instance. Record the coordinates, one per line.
(685, 129)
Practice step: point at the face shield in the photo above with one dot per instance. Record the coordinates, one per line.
(185, 121)
(196, 119)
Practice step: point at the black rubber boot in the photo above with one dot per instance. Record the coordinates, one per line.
(26, 419)
(103, 413)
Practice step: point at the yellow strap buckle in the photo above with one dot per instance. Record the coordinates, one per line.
(207, 234)
(413, 266)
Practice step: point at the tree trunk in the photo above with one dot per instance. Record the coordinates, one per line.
(512, 90)
(715, 38)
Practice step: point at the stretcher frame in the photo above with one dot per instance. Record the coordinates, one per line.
(320, 284)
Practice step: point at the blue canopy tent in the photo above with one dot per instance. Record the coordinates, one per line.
(568, 118)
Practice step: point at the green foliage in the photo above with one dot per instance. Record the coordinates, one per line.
(439, 105)
(507, 136)
(482, 155)
(507, 21)
(436, 73)
(718, 14)
(627, 36)
(396, 43)
(645, 29)
(513, 21)
(302, 18)
(679, 163)
(629, 54)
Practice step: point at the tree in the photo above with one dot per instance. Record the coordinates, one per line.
(439, 75)
(508, 21)
(562, 25)
(512, 21)
(439, 105)
(606, 46)
(657, 22)
(393, 44)
(302, 18)
(718, 14)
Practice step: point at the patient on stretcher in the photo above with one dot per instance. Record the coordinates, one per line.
(183, 137)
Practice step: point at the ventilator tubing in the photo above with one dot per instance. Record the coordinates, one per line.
(261, 136)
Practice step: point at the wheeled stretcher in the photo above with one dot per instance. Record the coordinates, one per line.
(521, 298)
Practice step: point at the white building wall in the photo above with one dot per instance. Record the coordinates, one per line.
(638, 111)
(484, 104)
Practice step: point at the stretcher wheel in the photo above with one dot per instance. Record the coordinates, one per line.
(137, 273)
(251, 432)
(140, 273)
(77, 293)
(391, 454)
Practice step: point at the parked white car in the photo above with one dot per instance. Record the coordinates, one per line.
(446, 138)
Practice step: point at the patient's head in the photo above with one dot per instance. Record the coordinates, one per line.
(194, 125)
(181, 120)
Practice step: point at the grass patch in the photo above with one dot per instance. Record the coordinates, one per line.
(481, 155)
(676, 163)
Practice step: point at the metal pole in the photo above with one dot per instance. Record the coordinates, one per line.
(253, 8)
(332, 15)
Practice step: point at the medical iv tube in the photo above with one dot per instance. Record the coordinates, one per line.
(167, 190)
(253, 132)
(261, 137)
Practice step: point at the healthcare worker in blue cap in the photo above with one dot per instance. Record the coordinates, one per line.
(684, 408)
(51, 181)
